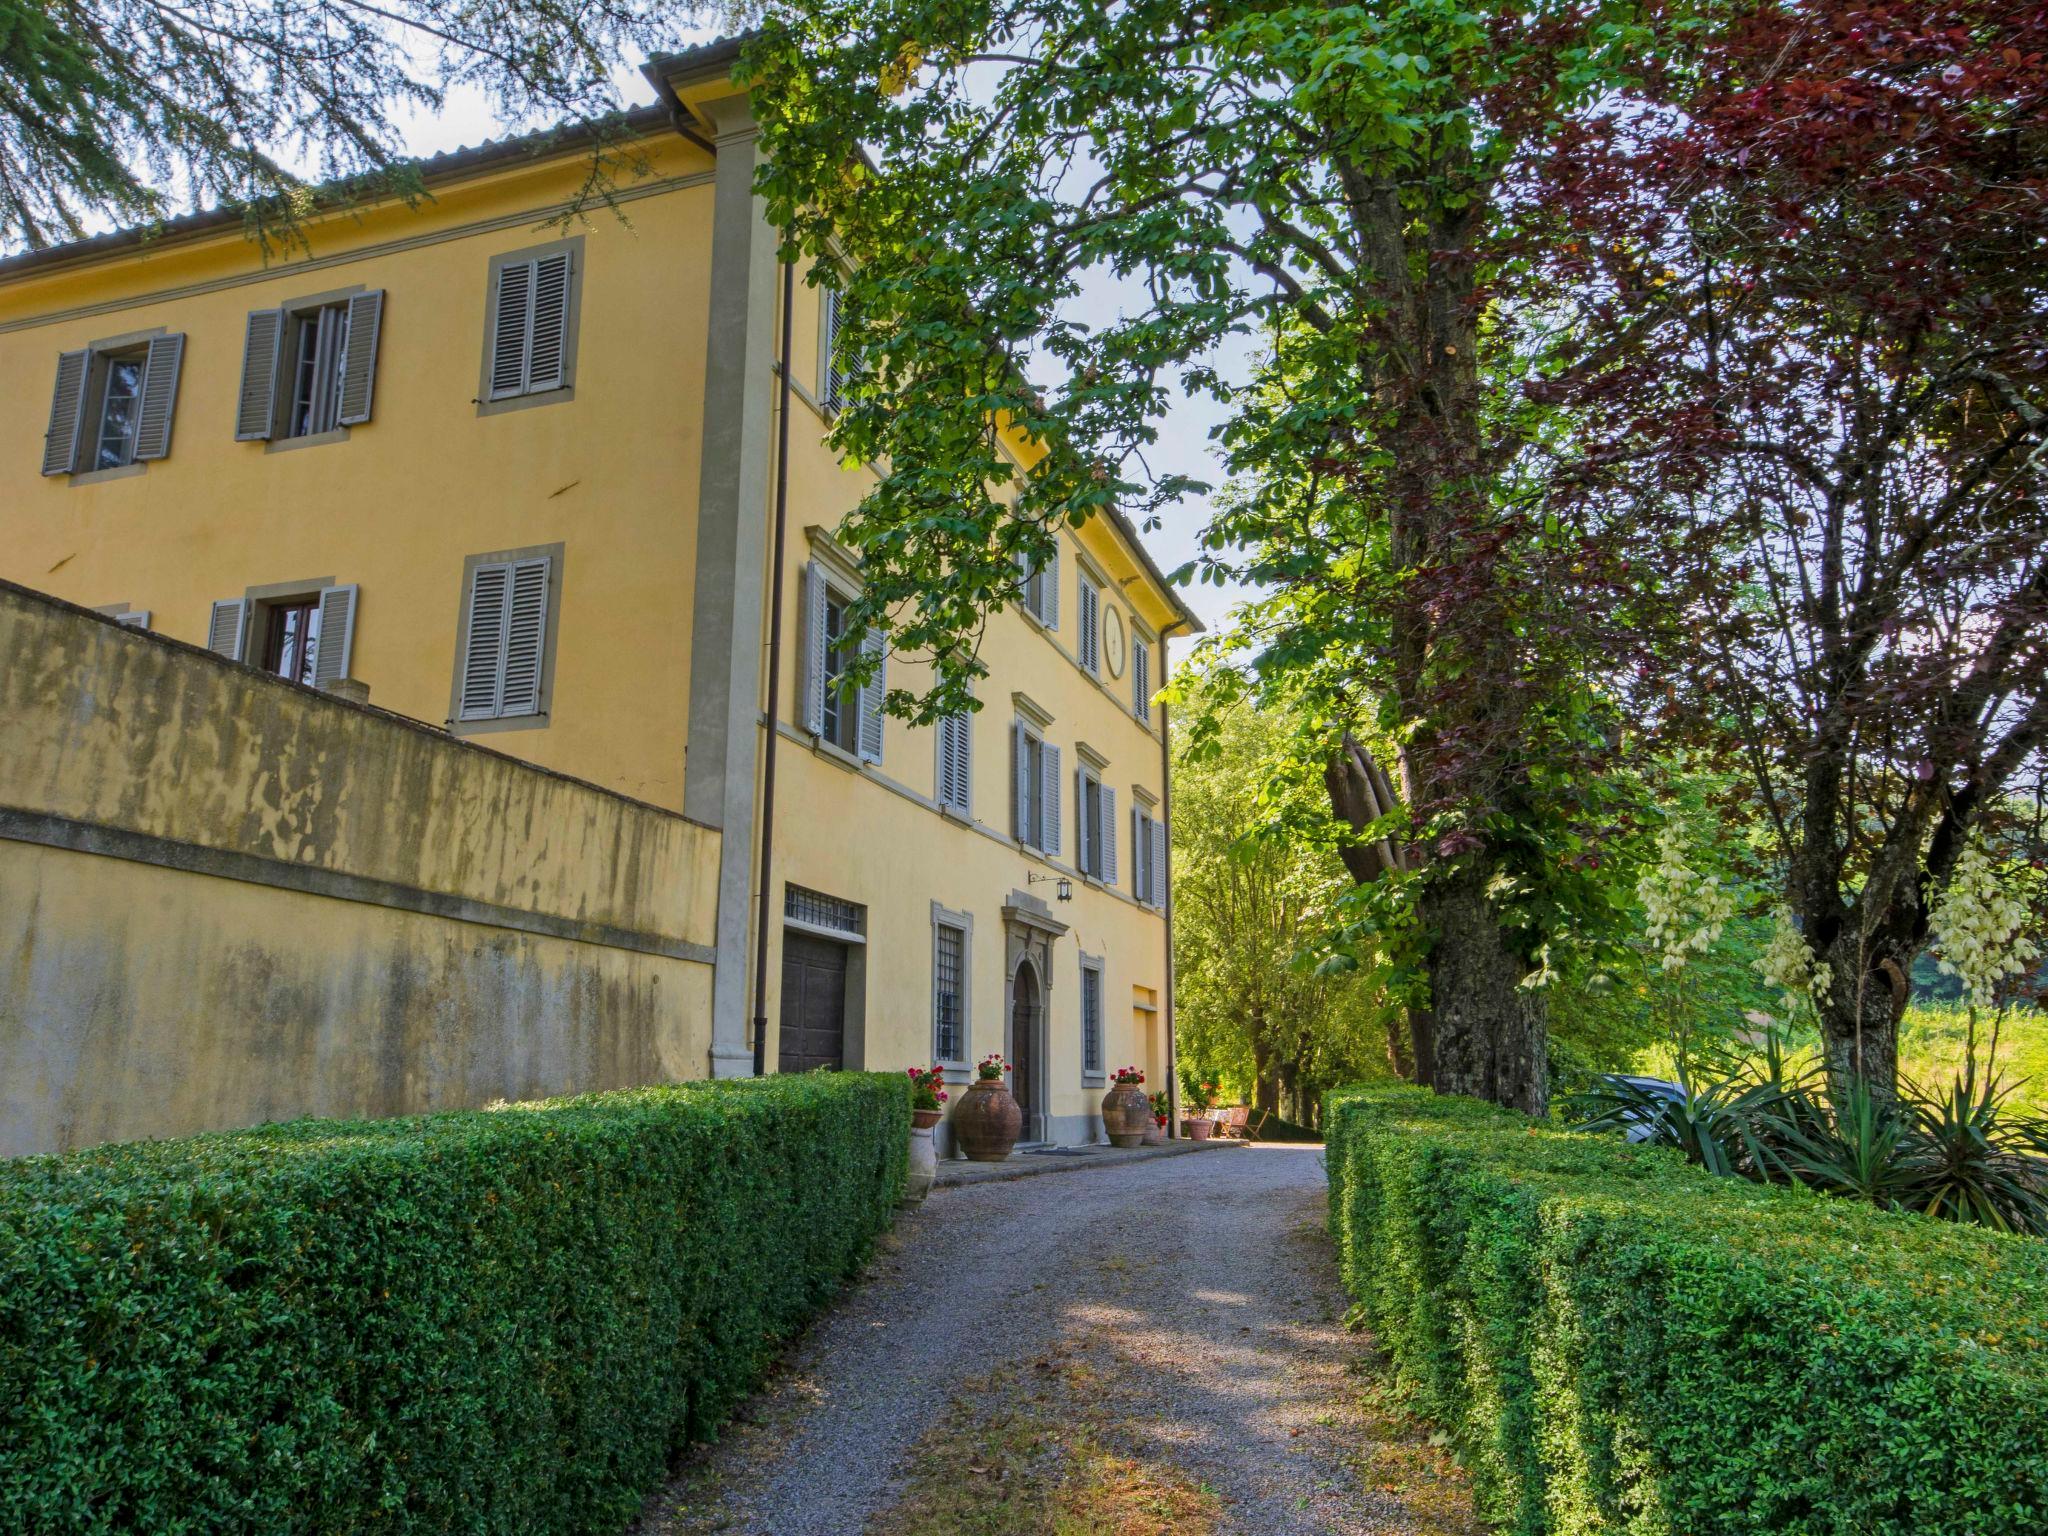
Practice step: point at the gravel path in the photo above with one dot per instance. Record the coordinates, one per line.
(1203, 1282)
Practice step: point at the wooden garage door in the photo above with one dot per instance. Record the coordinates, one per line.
(813, 1004)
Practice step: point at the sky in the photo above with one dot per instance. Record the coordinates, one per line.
(1183, 446)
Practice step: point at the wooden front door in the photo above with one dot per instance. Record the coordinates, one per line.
(1024, 1047)
(813, 1004)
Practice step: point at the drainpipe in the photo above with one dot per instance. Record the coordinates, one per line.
(762, 925)
(1166, 910)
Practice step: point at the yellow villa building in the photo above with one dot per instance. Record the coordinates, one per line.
(482, 767)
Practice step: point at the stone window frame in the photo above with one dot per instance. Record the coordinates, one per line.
(956, 1067)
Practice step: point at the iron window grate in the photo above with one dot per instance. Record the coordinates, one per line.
(822, 911)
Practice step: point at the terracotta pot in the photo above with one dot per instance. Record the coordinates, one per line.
(987, 1121)
(1197, 1130)
(1126, 1111)
(925, 1119)
(1155, 1133)
(924, 1165)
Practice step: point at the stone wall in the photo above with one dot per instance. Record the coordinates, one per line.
(227, 899)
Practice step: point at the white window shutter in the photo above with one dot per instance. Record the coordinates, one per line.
(67, 412)
(547, 356)
(526, 633)
(256, 402)
(1141, 680)
(359, 357)
(1087, 623)
(1106, 828)
(159, 396)
(963, 762)
(511, 330)
(1159, 863)
(1049, 814)
(872, 694)
(1051, 610)
(337, 635)
(227, 631)
(814, 651)
(483, 654)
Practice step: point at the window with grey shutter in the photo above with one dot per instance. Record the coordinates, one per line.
(1105, 824)
(67, 413)
(1141, 680)
(1159, 863)
(832, 374)
(227, 630)
(161, 365)
(1024, 822)
(956, 761)
(817, 646)
(505, 644)
(137, 619)
(1049, 812)
(337, 635)
(256, 401)
(872, 694)
(365, 317)
(532, 302)
(1088, 626)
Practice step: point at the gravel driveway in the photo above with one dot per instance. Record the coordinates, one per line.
(1200, 1291)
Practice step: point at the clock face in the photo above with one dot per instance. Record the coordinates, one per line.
(1113, 641)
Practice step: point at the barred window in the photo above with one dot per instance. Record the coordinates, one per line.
(1091, 1019)
(949, 954)
(822, 911)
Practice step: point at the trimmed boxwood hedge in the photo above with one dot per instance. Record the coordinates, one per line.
(1619, 1342)
(501, 1320)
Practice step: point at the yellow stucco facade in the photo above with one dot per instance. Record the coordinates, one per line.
(634, 486)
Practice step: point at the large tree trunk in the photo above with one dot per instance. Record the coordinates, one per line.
(1489, 1027)
(1265, 1092)
(1859, 1017)
(1400, 1057)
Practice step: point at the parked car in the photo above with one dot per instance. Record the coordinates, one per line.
(1639, 1128)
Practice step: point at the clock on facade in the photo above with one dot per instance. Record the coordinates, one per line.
(1113, 641)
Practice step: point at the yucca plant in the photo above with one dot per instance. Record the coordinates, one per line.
(1980, 1163)
(1726, 1125)
(1867, 1150)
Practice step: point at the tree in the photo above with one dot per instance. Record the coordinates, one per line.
(124, 109)
(1812, 384)
(1330, 178)
(1250, 904)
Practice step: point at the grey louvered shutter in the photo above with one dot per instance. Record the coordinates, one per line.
(359, 357)
(1159, 863)
(483, 650)
(256, 402)
(526, 633)
(547, 354)
(872, 694)
(1050, 612)
(1141, 679)
(510, 329)
(67, 413)
(1049, 813)
(1141, 883)
(159, 396)
(336, 644)
(1106, 828)
(227, 629)
(1087, 623)
(815, 652)
(833, 377)
(139, 619)
(963, 761)
(1020, 785)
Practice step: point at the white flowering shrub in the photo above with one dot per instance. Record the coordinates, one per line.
(1787, 963)
(1979, 924)
(1684, 909)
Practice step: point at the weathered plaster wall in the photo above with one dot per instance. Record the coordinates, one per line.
(225, 899)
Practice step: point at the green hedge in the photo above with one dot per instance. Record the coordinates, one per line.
(502, 1320)
(1619, 1342)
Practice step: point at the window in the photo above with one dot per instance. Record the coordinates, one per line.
(1039, 588)
(530, 322)
(303, 636)
(949, 986)
(1094, 825)
(1141, 679)
(1036, 801)
(1091, 1018)
(817, 910)
(956, 762)
(1088, 626)
(309, 367)
(112, 405)
(1148, 857)
(835, 711)
(833, 375)
(505, 660)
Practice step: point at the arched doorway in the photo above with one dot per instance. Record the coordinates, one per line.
(1025, 1014)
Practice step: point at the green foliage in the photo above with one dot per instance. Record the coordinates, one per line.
(502, 1320)
(1619, 1342)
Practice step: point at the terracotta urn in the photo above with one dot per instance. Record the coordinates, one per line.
(1197, 1130)
(987, 1121)
(925, 1119)
(1126, 1111)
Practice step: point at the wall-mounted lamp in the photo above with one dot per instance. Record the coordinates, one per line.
(1063, 888)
